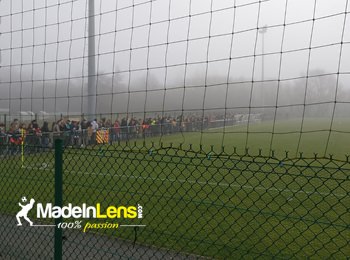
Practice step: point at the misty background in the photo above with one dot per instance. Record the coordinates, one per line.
(169, 57)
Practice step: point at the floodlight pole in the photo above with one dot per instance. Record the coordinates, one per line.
(0, 35)
(91, 63)
(262, 31)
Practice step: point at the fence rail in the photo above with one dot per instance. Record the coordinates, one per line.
(170, 202)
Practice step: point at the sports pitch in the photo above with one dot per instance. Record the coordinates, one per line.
(204, 202)
(310, 137)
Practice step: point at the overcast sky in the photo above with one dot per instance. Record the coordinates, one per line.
(46, 40)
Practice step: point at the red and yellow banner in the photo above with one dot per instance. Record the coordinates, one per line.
(102, 136)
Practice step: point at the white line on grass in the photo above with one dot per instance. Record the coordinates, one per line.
(211, 183)
(221, 184)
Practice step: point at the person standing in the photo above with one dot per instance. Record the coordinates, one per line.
(37, 136)
(116, 131)
(84, 136)
(45, 136)
(94, 127)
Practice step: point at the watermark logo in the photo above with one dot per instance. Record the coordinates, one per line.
(24, 211)
(83, 211)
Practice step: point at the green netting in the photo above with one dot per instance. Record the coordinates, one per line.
(195, 202)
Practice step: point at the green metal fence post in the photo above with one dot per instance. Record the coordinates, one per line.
(58, 196)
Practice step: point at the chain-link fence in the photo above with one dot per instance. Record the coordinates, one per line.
(138, 201)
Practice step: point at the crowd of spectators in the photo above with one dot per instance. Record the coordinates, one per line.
(81, 133)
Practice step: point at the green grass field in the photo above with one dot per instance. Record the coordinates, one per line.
(285, 138)
(206, 202)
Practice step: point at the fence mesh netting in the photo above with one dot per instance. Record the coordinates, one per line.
(149, 98)
(278, 69)
(194, 203)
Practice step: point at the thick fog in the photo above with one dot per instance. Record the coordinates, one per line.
(167, 56)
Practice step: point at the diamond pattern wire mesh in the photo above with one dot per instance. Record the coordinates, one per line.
(31, 181)
(196, 203)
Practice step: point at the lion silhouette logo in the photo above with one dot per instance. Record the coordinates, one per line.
(24, 211)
